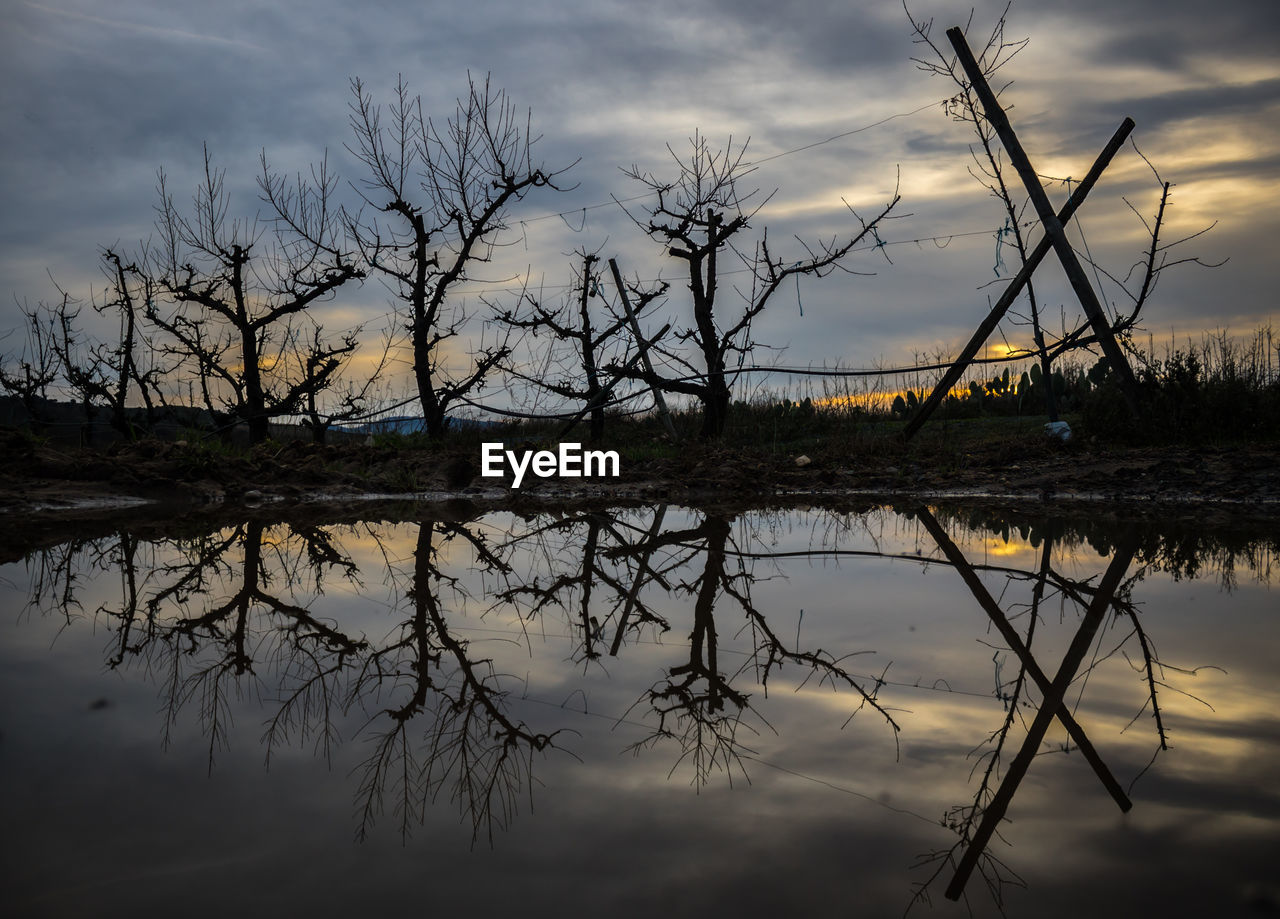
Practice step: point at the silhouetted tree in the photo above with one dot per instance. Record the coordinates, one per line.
(989, 162)
(236, 287)
(444, 191)
(321, 364)
(29, 374)
(700, 216)
(110, 375)
(989, 169)
(592, 342)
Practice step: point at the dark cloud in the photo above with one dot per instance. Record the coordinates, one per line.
(1154, 113)
(93, 100)
(1171, 34)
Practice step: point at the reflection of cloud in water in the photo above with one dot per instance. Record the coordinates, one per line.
(797, 598)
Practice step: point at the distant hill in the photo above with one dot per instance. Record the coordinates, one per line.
(412, 424)
(67, 421)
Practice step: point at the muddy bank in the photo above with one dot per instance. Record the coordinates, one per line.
(38, 479)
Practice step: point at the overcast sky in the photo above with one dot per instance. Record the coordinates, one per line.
(95, 97)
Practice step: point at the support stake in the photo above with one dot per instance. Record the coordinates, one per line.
(1053, 226)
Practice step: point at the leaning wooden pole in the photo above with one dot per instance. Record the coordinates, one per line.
(1053, 226)
(1014, 288)
(644, 351)
(602, 397)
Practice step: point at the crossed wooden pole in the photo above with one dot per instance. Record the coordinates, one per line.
(1054, 692)
(1055, 238)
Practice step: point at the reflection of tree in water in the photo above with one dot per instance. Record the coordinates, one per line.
(226, 616)
(696, 704)
(596, 591)
(595, 567)
(467, 745)
(217, 618)
(230, 614)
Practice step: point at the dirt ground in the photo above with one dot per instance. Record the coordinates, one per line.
(40, 479)
(50, 494)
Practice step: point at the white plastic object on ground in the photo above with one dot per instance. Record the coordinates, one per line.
(1059, 430)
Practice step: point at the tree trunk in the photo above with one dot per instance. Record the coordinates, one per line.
(715, 407)
(588, 354)
(433, 410)
(254, 400)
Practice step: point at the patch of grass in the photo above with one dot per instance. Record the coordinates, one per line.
(1216, 391)
(206, 457)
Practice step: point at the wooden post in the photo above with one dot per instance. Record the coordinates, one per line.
(644, 351)
(603, 396)
(1053, 226)
(1015, 286)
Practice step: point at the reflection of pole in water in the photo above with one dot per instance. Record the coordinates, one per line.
(1010, 635)
(1054, 692)
(641, 570)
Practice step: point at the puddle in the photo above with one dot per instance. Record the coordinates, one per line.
(646, 710)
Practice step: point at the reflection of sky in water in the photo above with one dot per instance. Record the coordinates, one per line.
(816, 811)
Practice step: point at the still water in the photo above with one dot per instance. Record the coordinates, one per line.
(644, 711)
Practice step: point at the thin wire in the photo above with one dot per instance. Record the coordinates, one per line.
(841, 136)
(941, 241)
(818, 143)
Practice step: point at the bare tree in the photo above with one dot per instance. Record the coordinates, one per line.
(29, 374)
(988, 166)
(700, 215)
(321, 364)
(101, 373)
(445, 190)
(237, 285)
